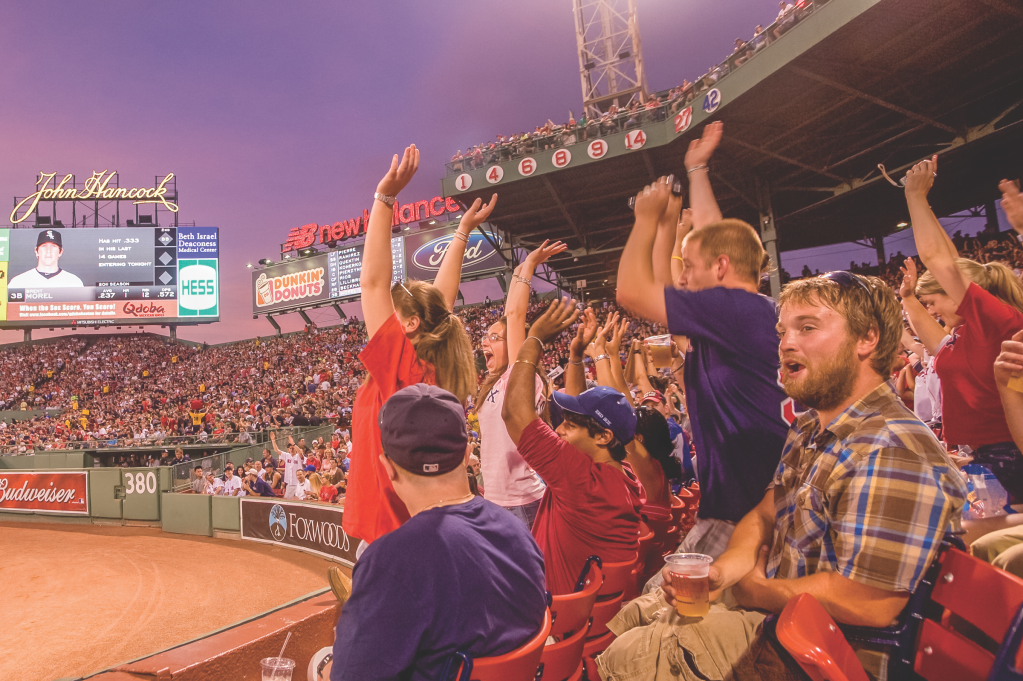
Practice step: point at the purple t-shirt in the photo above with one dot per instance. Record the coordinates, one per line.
(739, 413)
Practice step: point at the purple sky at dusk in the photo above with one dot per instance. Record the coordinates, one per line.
(274, 115)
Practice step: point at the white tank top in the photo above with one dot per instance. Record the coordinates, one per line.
(507, 478)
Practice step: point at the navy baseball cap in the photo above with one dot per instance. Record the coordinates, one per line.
(606, 406)
(49, 236)
(423, 430)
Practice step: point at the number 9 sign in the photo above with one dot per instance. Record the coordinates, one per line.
(140, 483)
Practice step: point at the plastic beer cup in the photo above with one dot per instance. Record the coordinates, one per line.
(277, 668)
(689, 579)
(660, 350)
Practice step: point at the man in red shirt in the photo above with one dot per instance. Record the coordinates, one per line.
(592, 502)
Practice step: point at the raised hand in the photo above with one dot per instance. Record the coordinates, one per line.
(584, 334)
(400, 172)
(614, 343)
(558, 317)
(651, 202)
(476, 214)
(1012, 204)
(670, 218)
(1009, 363)
(920, 177)
(909, 277)
(544, 252)
(701, 150)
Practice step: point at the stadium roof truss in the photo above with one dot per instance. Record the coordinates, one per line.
(808, 119)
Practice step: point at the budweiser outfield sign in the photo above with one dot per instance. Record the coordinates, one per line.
(308, 527)
(45, 492)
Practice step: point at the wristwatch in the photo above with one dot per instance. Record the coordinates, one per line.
(389, 200)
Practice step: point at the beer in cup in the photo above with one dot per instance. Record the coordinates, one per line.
(690, 581)
(660, 350)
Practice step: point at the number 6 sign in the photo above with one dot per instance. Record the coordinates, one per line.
(527, 166)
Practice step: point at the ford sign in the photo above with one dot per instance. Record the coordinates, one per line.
(427, 251)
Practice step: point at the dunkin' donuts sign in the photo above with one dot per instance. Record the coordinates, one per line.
(291, 284)
(45, 492)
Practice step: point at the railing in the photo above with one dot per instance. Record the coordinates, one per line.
(181, 473)
(625, 120)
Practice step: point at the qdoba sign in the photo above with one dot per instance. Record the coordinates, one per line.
(306, 527)
(45, 492)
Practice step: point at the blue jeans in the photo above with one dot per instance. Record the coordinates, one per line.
(526, 513)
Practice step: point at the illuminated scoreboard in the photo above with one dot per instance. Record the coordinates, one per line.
(63, 277)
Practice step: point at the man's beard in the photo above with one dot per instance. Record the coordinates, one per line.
(828, 385)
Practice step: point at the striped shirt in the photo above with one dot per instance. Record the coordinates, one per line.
(870, 497)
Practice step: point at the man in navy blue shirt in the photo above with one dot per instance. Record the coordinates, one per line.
(462, 574)
(253, 485)
(737, 407)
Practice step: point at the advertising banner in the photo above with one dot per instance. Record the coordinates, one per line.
(108, 276)
(425, 250)
(308, 527)
(45, 492)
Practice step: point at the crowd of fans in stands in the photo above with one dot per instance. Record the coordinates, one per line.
(657, 106)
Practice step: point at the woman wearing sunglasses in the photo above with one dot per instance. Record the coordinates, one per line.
(508, 479)
(981, 306)
(414, 337)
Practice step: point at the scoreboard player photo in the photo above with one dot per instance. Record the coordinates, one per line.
(47, 273)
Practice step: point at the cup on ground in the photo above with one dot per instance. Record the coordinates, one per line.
(277, 668)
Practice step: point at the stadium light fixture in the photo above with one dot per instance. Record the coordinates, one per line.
(432, 222)
(266, 261)
(249, 265)
(902, 224)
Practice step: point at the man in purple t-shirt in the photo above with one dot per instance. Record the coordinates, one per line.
(707, 290)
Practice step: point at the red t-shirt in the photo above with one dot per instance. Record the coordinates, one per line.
(328, 493)
(588, 508)
(971, 410)
(372, 508)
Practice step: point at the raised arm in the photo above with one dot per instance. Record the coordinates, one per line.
(638, 289)
(273, 441)
(518, 293)
(377, 268)
(450, 273)
(575, 377)
(519, 408)
(927, 329)
(701, 195)
(685, 225)
(1009, 365)
(1012, 204)
(664, 242)
(597, 351)
(614, 345)
(932, 243)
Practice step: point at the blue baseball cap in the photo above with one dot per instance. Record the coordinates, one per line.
(606, 406)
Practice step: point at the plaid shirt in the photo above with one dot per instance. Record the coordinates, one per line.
(869, 496)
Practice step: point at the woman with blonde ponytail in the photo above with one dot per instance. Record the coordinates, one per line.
(414, 337)
(981, 306)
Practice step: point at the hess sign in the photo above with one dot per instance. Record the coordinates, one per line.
(306, 235)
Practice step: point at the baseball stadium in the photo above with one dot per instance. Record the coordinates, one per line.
(726, 454)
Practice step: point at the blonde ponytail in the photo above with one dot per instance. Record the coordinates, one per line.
(442, 340)
(994, 277)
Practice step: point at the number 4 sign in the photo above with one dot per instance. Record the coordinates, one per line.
(635, 139)
(495, 174)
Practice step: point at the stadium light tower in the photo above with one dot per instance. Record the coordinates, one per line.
(610, 54)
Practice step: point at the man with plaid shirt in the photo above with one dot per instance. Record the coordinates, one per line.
(854, 514)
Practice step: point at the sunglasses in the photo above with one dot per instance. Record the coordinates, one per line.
(846, 279)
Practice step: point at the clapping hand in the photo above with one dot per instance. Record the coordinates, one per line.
(920, 177)
(544, 252)
(584, 333)
(652, 201)
(701, 150)
(909, 276)
(400, 173)
(558, 317)
(476, 214)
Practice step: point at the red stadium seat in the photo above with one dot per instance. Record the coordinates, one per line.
(518, 665)
(649, 553)
(978, 604)
(619, 579)
(820, 648)
(571, 612)
(563, 661)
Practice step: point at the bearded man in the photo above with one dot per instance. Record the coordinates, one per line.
(854, 514)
